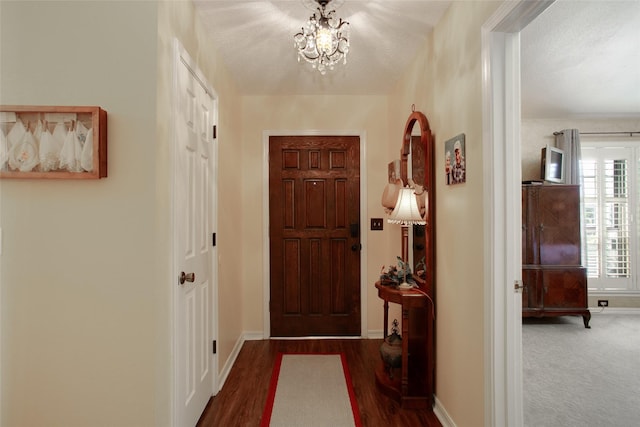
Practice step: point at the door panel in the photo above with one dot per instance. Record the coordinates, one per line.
(193, 216)
(314, 211)
(560, 232)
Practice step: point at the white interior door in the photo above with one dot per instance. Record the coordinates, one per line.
(193, 243)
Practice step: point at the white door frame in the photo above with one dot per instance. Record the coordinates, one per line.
(182, 56)
(502, 209)
(265, 220)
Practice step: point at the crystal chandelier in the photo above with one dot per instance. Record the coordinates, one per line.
(324, 41)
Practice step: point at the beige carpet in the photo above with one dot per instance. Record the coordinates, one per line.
(577, 377)
(311, 390)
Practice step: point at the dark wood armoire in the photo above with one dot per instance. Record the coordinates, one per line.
(554, 279)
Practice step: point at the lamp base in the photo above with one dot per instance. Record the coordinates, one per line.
(405, 286)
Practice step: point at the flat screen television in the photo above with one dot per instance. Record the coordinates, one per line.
(552, 164)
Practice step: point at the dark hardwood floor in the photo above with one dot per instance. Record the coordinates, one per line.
(243, 396)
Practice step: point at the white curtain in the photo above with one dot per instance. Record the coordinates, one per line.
(568, 140)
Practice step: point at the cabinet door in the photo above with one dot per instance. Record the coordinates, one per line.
(564, 288)
(530, 225)
(527, 245)
(558, 218)
(532, 291)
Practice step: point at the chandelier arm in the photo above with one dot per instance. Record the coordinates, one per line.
(341, 24)
(311, 58)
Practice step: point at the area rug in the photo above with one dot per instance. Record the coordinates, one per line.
(311, 390)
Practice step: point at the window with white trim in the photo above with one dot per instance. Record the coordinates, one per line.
(610, 192)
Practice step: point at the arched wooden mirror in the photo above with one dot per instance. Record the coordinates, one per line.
(414, 385)
(417, 169)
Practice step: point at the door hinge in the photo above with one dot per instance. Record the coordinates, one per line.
(215, 347)
(213, 239)
(517, 285)
(215, 131)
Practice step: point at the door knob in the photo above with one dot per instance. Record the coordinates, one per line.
(187, 277)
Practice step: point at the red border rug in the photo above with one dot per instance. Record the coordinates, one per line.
(271, 397)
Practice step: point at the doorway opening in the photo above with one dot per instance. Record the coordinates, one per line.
(502, 227)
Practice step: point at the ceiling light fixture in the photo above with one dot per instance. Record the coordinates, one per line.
(324, 41)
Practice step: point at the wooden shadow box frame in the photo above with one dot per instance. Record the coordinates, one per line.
(93, 118)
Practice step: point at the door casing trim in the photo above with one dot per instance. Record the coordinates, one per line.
(501, 141)
(266, 268)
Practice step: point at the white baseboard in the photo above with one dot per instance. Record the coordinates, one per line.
(438, 409)
(374, 334)
(614, 310)
(442, 414)
(226, 369)
(231, 360)
(253, 336)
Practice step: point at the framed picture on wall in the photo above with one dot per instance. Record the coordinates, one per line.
(53, 142)
(455, 168)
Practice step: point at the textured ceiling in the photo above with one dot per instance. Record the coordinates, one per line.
(579, 58)
(255, 38)
(582, 59)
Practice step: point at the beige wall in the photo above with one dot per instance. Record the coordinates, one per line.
(302, 113)
(94, 315)
(537, 133)
(85, 265)
(79, 283)
(445, 83)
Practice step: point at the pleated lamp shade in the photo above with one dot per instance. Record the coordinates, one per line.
(406, 211)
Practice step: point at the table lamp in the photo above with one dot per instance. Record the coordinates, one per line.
(406, 213)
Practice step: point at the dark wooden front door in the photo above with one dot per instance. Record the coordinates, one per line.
(314, 230)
